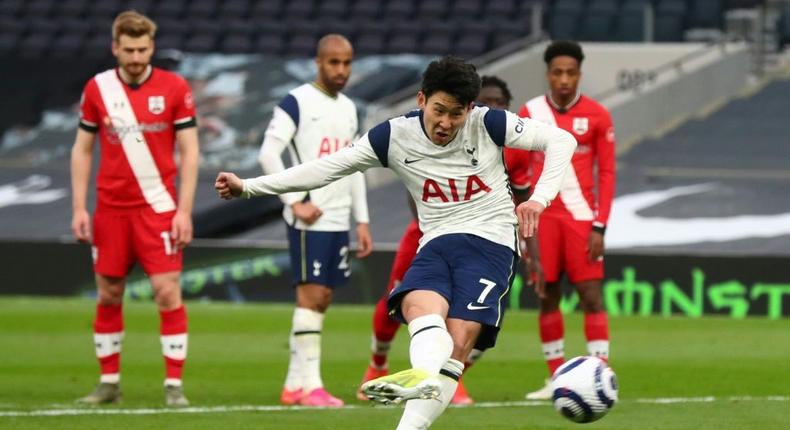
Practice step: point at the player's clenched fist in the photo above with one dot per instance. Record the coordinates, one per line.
(228, 185)
(528, 214)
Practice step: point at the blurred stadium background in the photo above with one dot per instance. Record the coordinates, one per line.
(700, 228)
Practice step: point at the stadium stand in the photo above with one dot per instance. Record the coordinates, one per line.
(784, 26)
(246, 25)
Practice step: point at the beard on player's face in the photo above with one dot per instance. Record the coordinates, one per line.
(134, 69)
(133, 54)
(334, 68)
(334, 81)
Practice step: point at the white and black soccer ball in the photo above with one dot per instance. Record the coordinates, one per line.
(584, 389)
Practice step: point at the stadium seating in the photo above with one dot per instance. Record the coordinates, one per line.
(230, 9)
(669, 19)
(597, 23)
(564, 19)
(283, 27)
(630, 22)
(465, 9)
(333, 9)
(784, 27)
(705, 14)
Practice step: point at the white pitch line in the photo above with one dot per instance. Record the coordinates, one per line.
(275, 408)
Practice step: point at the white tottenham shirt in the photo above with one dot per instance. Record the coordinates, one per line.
(314, 125)
(461, 187)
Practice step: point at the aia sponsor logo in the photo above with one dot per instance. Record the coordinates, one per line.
(454, 190)
(330, 145)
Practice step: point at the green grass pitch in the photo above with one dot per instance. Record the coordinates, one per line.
(722, 373)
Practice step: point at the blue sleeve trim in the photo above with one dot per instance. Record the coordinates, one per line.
(495, 122)
(379, 137)
(291, 107)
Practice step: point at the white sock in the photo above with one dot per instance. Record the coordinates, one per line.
(173, 382)
(110, 378)
(293, 379)
(420, 414)
(554, 349)
(598, 348)
(306, 351)
(431, 344)
(107, 344)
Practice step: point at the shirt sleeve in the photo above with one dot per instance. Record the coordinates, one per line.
(184, 115)
(558, 145)
(359, 198)
(89, 114)
(605, 155)
(278, 136)
(316, 173)
(518, 162)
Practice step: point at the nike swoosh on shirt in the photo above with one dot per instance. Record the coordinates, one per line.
(407, 161)
(472, 307)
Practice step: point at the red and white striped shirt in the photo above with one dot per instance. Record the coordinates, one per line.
(137, 127)
(591, 125)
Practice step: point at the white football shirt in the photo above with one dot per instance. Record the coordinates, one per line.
(461, 187)
(313, 125)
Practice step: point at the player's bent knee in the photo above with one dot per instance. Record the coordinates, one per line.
(418, 303)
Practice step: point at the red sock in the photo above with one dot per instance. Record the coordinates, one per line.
(173, 331)
(596, 329)
(384, 329)
(107, 336)
(552, 332)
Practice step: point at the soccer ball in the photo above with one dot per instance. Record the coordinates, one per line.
(584, 389)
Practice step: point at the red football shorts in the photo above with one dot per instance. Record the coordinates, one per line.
(407, 249)
(563, 249)
(124, 237)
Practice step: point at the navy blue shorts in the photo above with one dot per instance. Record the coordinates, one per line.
(473, 274)
(319, 257)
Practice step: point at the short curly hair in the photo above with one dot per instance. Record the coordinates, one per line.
(454, 76)
(563, 48)
(493, 81)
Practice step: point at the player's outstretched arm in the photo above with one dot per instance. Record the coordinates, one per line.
(316, 173)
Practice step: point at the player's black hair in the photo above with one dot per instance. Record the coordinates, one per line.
(563, 47)
(493, 81)
(454, 76)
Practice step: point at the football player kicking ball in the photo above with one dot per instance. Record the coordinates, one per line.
(494, 93)
(449, 155)
(139, 113)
